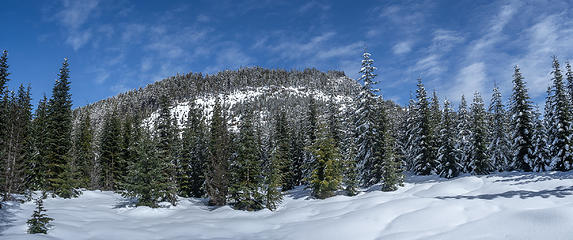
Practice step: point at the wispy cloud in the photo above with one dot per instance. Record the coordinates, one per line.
(402, 47)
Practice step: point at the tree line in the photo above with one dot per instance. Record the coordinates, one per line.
(250, 163)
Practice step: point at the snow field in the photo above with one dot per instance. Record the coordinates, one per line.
(499, 206)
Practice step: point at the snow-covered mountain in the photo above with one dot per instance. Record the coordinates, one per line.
(266, 90)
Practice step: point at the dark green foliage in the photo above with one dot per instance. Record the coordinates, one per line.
(282, 150)
(481, 163)
(273, 182)
(110, 153)
(392, 176)
(58, 157)
(326, 176)
(4, 117)
(217, 170)
(297, 156)
(447, 155)
(38, 167)
(126, 155)
(247, 179)
(18, 148)
(146, 174)
(542, 152)
(350, 169)
(425, 163)
(84, 153)
(40, 222)
(522, 124)
(166, 138)
(193, 155)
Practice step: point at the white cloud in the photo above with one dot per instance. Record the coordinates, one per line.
(469, 80)
(74, 13)
(402, 47)
(550, 35)
(78, 39)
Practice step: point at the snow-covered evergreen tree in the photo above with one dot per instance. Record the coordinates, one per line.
(193, 154)
(499, 136)
(247, 179)
(408, 136)
(463, 142)
(560, 118)
(217, 170)
(521, 124)
(166, 137)
(569, 75)
(425, 162)
(542, 152)
(447, 156)
(365, 121)
(480, 161)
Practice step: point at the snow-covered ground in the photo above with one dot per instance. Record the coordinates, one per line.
(500, 206)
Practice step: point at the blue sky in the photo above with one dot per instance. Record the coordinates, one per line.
(457, 47)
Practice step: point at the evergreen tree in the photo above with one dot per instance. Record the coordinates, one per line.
(84, 152)
(146, 173)
(569, 75)
(194, 154)
(391, 171)
(480, 161)
(463, 128)
(522, 124)
(273, 182)
(425, 161)
(327, 173)
(542, 152)
(18, 149)
(435, 119)
(126, 155)
(38, 167)
(408, 136)
(59, 174)
(366, 117)
(499, 144)
(245, 189)
(166, 137)
(561, 118)
(40, 222)
(110, 153)
(217, 176)
(4, 117)
(447, 155)
(282, 149)
(297, 156)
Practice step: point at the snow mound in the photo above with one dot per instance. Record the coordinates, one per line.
(499, 206)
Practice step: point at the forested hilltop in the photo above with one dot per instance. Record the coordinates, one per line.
(245, 137)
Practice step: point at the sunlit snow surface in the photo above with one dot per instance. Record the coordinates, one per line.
(501, 206)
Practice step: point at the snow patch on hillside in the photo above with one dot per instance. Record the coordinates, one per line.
(181, 109)
(499, 206)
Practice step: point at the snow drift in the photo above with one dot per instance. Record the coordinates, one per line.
(499, 206)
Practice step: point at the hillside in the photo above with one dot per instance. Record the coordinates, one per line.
(498, 206)
(265, 90)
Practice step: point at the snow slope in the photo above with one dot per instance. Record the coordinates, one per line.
(500, 206)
